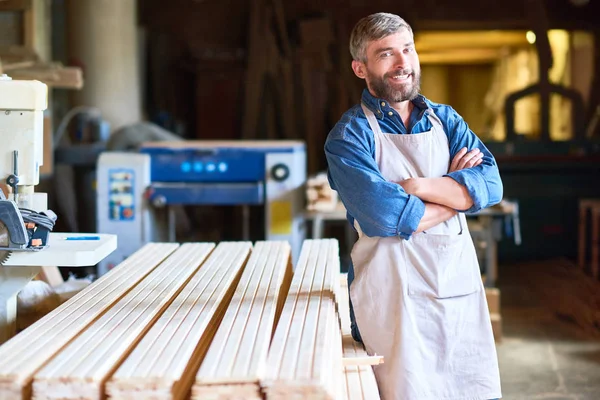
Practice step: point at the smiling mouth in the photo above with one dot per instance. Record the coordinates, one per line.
(400, 78)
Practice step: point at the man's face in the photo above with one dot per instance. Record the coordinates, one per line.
(392, 70)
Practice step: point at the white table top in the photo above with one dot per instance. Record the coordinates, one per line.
(67, 250)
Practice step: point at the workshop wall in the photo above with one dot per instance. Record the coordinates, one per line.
(209, 63)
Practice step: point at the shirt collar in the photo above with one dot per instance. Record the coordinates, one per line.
(380, 107)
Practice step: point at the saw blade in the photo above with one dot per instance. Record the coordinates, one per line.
(4, 242)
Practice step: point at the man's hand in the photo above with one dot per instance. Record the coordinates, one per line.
(464, 159)
(434, 214)
(411, 185)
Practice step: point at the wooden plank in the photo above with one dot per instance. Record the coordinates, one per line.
(306, 352)
(360, 383)
(17, 65)
(164, 363)
(360, 380)
(13, 53)
(15, 5)
(492, 296)
(22, 356)
(82, 368)
(362, 360)
(595, 264)
(236, 360)
(257, 65)
(461, 56)
(53, 76)
(452, 40)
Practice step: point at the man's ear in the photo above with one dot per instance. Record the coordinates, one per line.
(359, 69)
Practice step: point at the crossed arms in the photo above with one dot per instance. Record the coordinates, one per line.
(443, 196)
(384, 208)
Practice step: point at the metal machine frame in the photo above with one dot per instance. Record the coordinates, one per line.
(162, 174)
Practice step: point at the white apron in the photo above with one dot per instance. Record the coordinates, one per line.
(421, 303)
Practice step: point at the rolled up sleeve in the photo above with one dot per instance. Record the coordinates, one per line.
(381, 208)
(410, 217)
(483, 182)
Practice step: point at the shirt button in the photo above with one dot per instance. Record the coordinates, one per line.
(390, 113)
(383, 104)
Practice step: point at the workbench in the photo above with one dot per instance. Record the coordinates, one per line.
(22, 267)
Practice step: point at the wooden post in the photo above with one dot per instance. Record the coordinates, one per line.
(595, 239)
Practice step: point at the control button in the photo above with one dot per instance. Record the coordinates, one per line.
(127, 213)
(159, 201)
(186, 167)
(210, 167)
(198, 167)
(280, 172)
(222, 167)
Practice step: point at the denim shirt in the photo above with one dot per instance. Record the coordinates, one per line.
(383, 208)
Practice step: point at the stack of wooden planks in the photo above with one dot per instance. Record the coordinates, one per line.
(164, 363)
(80, 370)
(359, 379)
(305, 359)
(319, 195)
(198, 321)
(236, 360)
(22, 356)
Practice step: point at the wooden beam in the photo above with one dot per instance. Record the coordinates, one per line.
(461, 56)
(15, 5)
(17, 52)
(16, 65)
(449, 40)
(53, 76)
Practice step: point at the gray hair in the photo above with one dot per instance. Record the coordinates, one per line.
(374, 27)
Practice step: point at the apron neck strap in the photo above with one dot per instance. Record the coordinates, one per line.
(435, 121)
(371, 119)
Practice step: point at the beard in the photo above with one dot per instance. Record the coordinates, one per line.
(383, 88)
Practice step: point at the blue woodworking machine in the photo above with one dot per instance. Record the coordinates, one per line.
(133, 189)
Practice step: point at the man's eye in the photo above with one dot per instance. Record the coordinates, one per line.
(386, 54)
(409, 50)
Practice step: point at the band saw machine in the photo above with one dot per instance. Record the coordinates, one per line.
(27, 242)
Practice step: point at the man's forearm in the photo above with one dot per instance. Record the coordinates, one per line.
(434, 214)
(445, 191)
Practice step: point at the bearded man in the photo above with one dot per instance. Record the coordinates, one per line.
(407, 170)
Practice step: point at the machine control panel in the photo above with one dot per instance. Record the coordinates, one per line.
(200, 166)
(215, 165)
(121, 199)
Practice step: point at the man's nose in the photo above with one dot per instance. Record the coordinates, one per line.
(401, 61)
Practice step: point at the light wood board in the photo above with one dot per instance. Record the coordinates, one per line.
(305, 358)
(236, 360)
(164, 363)
(360, 383)
(82, 368)
(22, 356)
